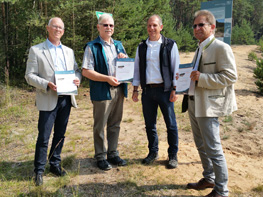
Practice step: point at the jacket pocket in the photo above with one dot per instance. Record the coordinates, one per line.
(208, 63)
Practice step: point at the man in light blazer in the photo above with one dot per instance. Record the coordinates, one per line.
(211, 95)
(43, 60)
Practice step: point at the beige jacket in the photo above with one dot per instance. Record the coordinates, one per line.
(214, 92)
(40, 70)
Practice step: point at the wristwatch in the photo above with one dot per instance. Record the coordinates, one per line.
(174, 89)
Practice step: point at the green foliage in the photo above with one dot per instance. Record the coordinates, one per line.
(252, 56)
(243, 34)
(260, 43)
(23, 24)
(258, 74)
(184, 39)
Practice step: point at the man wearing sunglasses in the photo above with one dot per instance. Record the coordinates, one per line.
(106, 92)
(156, 66)
(211, 95)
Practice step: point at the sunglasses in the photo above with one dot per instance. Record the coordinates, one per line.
(107, 25)
(199, 25)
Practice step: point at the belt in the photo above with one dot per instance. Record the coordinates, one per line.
(155, 85)
(114, 86)
(61, 96)
(192, 98)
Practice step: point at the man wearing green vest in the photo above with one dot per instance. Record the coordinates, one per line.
(211, 95)
(106, 92)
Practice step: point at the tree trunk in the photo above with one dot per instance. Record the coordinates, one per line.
(5, 35)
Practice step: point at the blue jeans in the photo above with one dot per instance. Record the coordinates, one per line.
(151, 99)
(59, 118)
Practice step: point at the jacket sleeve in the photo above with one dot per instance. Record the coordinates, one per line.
(222, 72)
(32, 72)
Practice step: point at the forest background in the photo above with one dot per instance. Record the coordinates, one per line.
(23, 24)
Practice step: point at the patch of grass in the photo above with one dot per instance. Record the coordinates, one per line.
(249, 125)
(225, 137)
(128, 120)
(259, 188)
(252, 56)
(68, 161)
(186, 128)
(228, 119)
(240, 129)
(159, 113)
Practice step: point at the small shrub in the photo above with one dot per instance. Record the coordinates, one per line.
(258, 74)
(258, 188)
(260, 43)
(252, 56)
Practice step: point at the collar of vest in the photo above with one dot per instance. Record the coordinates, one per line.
(164, 40)
(98, 41)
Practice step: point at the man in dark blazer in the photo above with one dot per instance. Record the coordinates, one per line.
(43, 60)
(211, 95)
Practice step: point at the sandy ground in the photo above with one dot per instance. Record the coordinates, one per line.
(241, 134)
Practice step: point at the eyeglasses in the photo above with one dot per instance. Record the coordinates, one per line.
(107, 25)
(199, 25)
(57, 27)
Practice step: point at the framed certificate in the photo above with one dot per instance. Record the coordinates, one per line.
(64, 82)
(183, 82)
(125, 69)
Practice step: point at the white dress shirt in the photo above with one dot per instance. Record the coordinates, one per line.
(57, 55)
(153, 72)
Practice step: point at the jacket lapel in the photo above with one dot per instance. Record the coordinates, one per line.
(48, 55)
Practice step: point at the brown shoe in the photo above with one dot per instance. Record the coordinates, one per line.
(200, 185)
(214, 194)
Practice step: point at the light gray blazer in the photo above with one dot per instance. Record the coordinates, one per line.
(214, 92)
(40, 70)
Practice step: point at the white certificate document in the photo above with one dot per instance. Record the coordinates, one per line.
(64, 82)
(183, 82)
(125, 69)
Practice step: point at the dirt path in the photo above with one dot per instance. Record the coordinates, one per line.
(241, 133)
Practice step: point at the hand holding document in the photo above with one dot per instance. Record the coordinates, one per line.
(64, 82)
(125, 69)
(184, 79)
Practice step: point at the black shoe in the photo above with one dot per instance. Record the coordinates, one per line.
(38, 179)
(151, 157)
(117, 161)
(56, 170)
(103, 165)
(172, 163)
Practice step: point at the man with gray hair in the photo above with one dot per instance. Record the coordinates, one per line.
(155, 70)
(106, 92)
(43, 60)
(211, 95)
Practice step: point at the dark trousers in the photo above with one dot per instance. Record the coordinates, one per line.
(151, 99)
(59, 118)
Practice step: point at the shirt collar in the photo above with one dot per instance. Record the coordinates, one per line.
(206, 41)
(50, 45)
(160, 40)
(104, 42)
